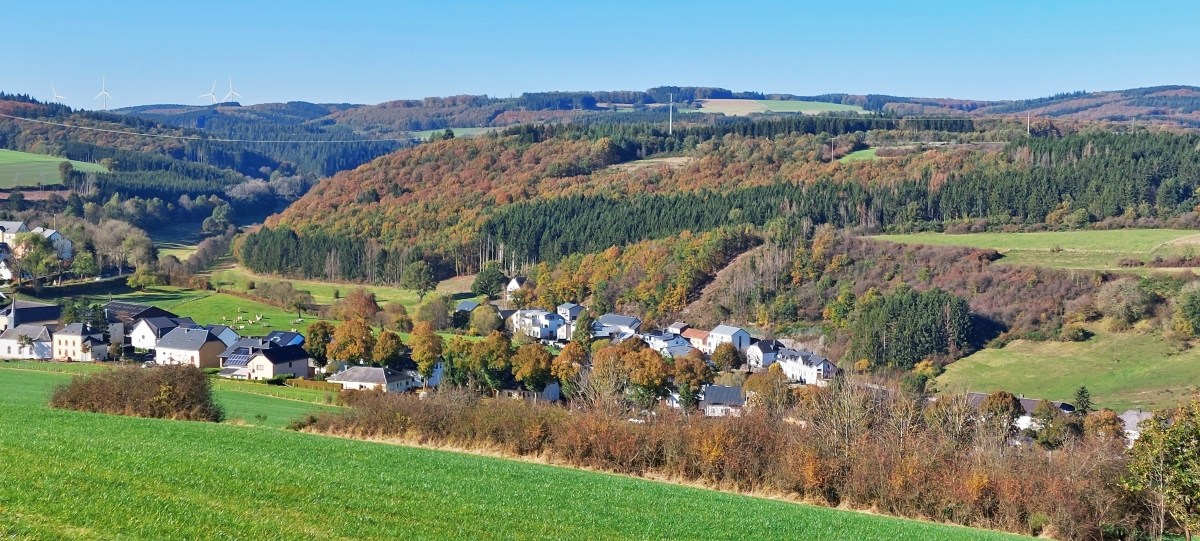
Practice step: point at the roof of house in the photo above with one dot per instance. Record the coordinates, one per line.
(808, 358)
(725, 330)
(39, 333)
(768, 346)
(283, 354)
(466, 306)
(285, 338)
(217, 329)
(160, 324)
(694, 334)
(614, 320)
(505, 314)
(32, 312)
(1027, 404)
(568, 306)
(76, 329)
(678, 327)
(185, 339)
(128, 312)
(519, 280)
(721, 395)
(43, 231)
(11, 226)
(679, 351)
(1131, 418)
(367, 374)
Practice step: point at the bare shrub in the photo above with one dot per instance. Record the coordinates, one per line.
(181, 392)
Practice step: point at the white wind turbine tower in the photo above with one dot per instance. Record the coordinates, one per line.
(57, 98)
(213, 97)
(103, 93)
(231, 92)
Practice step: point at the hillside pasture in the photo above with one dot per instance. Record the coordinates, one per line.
(239, 279)
(1121, 370)
(133, 478)
(858, 155)
(1082, 249)
(27, 169)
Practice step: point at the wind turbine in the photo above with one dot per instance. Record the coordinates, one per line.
(103, 93)
(56, 96)
(231, 92)
(213, 97)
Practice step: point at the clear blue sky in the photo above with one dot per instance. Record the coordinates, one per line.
(369, 52)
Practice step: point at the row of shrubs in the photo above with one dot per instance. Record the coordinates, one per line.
(850, 445)
(181, 392)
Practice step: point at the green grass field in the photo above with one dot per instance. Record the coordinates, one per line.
(864, 154)
(1121, 370)
(458, 132)
(71, 475)
(1085, 249)
(807, 107)
(238, 278)
(25, 169)
(178, 239)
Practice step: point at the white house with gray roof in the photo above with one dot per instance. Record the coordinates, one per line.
(62, 245)
(538, 324)
(11, 346)
(805, 367)
(195, 346)
(615, 327)
(726, 334)
(10, 230)
(367, 378)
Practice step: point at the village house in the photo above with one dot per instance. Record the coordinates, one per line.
(292, 361)
(466, 306)
(149, 331)
(224, 333)
(10, 230)
(615, 327)
(667, 343)
(570, 312)
(7, 265)
(188, 345)
(805, 367)
(79, 342)
(366, 378)
(29, 313)
(696, 337)
(513, 286)
(762, 353)
(678, 327)
(551, 393)
(285, 338)
(725, 334)
(537, 323)
(1132, 421)
(62, 245)
(722, 401)
(35, 345)
(1028, 405)
(123, 316)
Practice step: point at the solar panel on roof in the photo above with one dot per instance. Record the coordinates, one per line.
(237, 360)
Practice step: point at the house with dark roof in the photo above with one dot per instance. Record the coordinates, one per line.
(12, 346)
(189, 345)
(762, 353)
(722, 401)
(292, 361)
(285, 338)
(79, 342)
(21, 312)
(123, 316)
(225, 333)
(148, 331)
(805, 366)
(466, 306)
(366, 378)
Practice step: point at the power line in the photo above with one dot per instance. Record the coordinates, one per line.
(184, 137)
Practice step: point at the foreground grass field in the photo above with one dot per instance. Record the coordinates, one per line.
(71, 475)
(1085, 249)
(26, 169)
(1121, 370)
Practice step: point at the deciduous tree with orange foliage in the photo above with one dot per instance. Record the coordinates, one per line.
(352, 341)
(532, 365)
(426, 349)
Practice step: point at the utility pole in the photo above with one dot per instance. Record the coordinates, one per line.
(1027, 117)
(670, 114)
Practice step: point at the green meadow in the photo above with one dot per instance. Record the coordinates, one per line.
(864, 154)
(808, 107)
(26, 169)
(72, 475)
(1083, 249)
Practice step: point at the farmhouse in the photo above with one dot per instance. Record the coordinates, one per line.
(366, 378)
(513, 286)
(805, 367)
(722, 401)
(123, 316)
(195, 346)
(616, 327)
(29, 313)
(725, 334)
(538, 324)
(79, 342)
(148, 331)
(10, 230)
(62, 245)
(762, 353)
(26, 342)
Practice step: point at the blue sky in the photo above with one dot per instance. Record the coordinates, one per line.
(369, 52)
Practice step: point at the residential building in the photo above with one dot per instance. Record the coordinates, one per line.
(570, 312)
(805, 367)
(615, 327)
(29, 313)
(79, 342)
(678, 327)
(697, 337)
(10, 230)
(123, 316)
(512, 287)
(224, 333)
(762, 353)
(537, 323)
(366, 378)
(1132, 419)
(189, 345)
(664, 341)
(551, 393)
(1028, 405)
(148, 331)
(725, 334)
(285, 338)
(11, 346)
(722, 401)
(62, 245)
(466, 306)
(261, 364)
